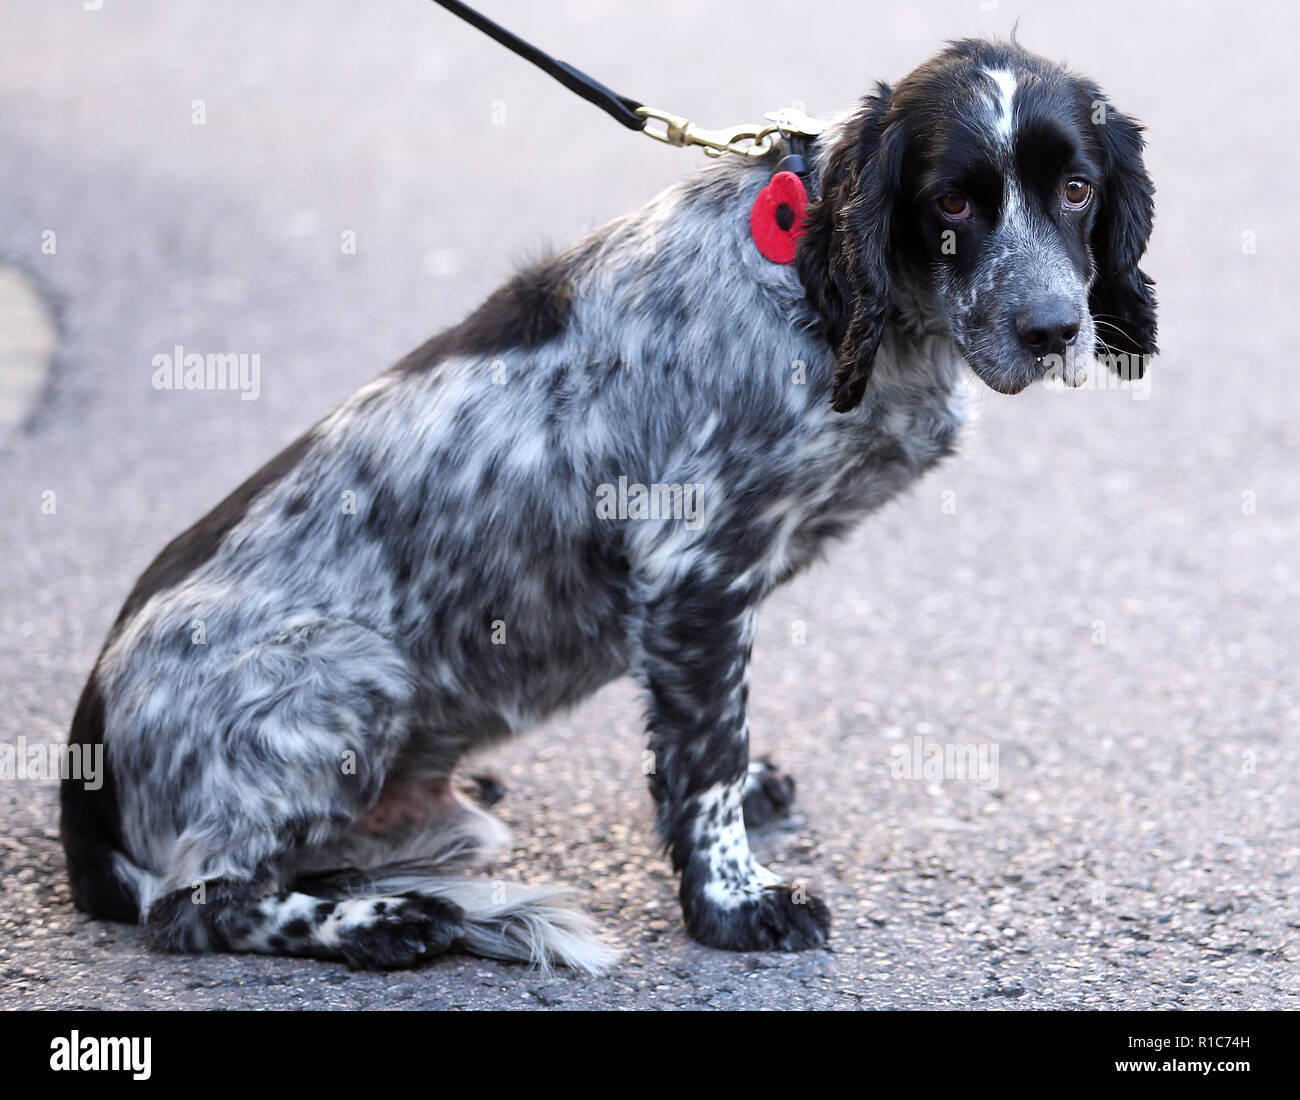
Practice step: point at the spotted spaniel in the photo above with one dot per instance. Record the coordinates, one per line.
(285, 695)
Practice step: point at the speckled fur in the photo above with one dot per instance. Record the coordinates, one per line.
(425, 573)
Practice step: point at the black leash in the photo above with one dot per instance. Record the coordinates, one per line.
(619, 107)
(776, 219)
(747, 139)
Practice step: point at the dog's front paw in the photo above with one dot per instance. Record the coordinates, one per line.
(768, 793)
(777, 918)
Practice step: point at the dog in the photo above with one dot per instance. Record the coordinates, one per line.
(444, 560)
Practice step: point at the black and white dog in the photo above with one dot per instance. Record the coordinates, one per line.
(440, 562)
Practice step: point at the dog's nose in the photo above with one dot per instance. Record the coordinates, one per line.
(1047, 326)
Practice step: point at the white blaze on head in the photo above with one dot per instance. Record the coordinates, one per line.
(1002, 127)
(1006, 83)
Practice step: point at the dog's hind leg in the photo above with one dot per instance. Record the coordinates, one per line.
(390, 915)
(301, 730)
(372, 932)
(286, 751)
(385, 900)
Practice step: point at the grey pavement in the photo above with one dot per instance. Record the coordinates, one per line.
(1103, 585)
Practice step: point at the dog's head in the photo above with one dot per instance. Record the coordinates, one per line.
(1006, 194)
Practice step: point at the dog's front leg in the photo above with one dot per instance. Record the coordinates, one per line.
(695, 668)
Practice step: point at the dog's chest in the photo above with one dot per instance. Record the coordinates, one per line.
(858, 463)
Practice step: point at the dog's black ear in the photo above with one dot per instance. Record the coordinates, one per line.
(843, 256)
(1121, 299)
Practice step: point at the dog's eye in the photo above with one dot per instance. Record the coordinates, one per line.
(955, 206)
(1077, 194)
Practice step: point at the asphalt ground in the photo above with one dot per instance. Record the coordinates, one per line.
(1102, 586)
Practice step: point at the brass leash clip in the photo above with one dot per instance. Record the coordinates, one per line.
(747, 139)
